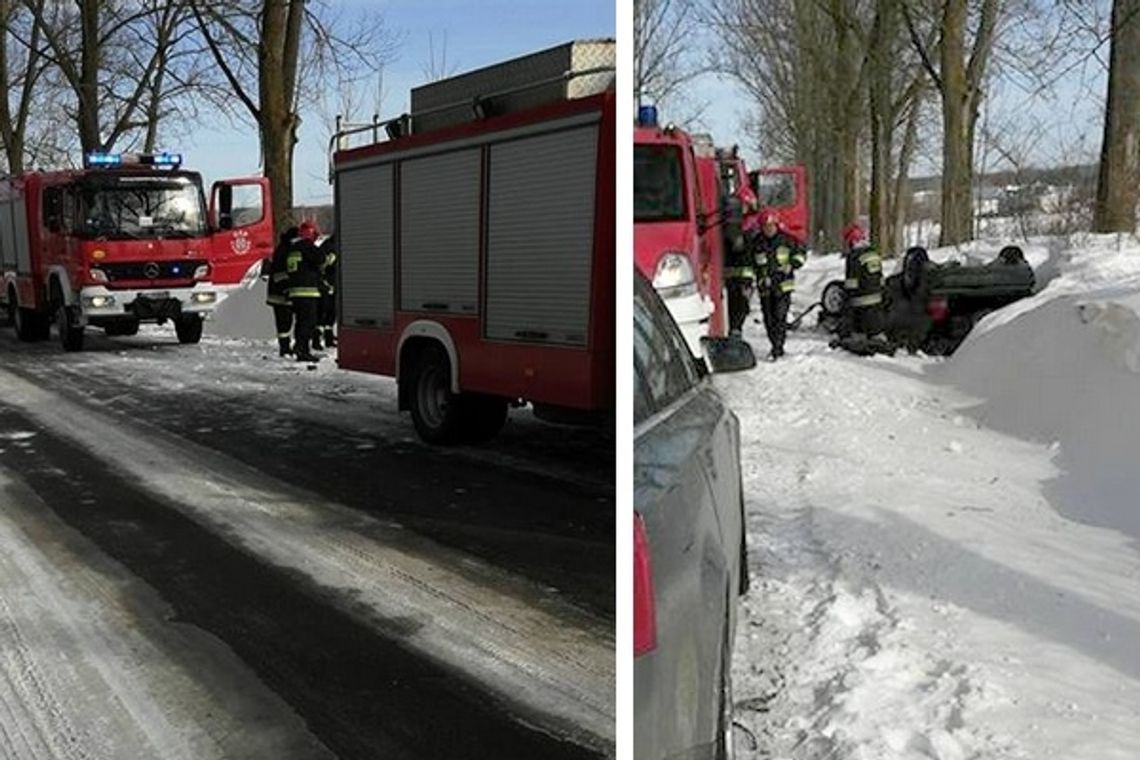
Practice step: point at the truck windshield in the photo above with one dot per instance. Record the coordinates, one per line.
(776, 189)
(129, 207)
(658, 184)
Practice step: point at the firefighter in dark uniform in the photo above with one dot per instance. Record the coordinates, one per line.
(277, 293)
(739, 274)
(326, 309)
(303, 263)
(864, 286)
(776, 257)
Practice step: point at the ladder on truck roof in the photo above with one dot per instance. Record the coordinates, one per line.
(499, 89)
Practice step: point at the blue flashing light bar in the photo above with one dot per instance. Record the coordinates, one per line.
(119, 159)
(647, 116)
(103, 159)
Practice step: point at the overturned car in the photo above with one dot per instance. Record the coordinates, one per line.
(932, 307)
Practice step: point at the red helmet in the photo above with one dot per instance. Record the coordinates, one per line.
(854, 233)
(308, 230)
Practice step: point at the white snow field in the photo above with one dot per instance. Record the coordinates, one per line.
(944, 551)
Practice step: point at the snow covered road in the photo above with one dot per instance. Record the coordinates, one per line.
(944, 554)
(285, 512)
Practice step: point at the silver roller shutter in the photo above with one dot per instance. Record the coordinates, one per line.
(7, 238)
(20, 228)
(439, 233)
(540, 238)
(365, 235)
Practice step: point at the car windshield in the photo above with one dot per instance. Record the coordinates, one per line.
(776, 189)
(658, 184)
(142, 207)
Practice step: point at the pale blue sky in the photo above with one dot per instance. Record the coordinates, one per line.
(478, 33)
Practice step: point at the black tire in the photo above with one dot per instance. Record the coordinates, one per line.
(122, 327)
(436, 412)
(188, 328)
(483, 417)
(914, 271)
(833, 300)
(1012, 254)
(66, 321)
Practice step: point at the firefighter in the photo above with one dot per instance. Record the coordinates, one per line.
(303, 263)
(326, 309)
(776, 256)
(864, 285)
(739, 272)
(277, 292)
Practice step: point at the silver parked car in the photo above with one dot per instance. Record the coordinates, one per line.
(689, 540)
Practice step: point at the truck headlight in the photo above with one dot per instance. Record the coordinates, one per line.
(674, 276)
(98, 302)
(203, 297)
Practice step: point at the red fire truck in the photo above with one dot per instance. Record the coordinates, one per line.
(477, 245)
(783, 189)
(126, 239)
(676, 217)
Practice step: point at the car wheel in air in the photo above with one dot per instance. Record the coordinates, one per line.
(914, 274)
(834, 298)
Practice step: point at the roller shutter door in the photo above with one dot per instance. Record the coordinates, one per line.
(366, 236)
(540, 237)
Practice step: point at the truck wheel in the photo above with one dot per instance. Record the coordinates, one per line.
(436, 412)
(914, 273)
(188, 328)
(67, 323)
(483, 417)
(834, 298)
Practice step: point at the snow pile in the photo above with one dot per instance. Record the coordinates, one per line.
(1063, 368)
(944, 551)
(243, 314)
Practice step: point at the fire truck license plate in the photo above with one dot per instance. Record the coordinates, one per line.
(156, 295)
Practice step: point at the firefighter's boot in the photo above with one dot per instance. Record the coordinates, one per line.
(317, 340)
(330, 338)
(283, 347)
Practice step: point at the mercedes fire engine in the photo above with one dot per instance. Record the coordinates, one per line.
(124, 240)
(477, 244)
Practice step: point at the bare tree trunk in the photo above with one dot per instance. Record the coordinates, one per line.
(881, 64)
(88, 90)
(1117, 189)
(957, 148)
(278, 58)
(901, 200)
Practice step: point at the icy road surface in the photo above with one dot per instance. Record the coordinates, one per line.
(236, 556)
(944, 553)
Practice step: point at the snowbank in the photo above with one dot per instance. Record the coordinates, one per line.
(1063, 368)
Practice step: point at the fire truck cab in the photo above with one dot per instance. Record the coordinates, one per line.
(124, 240)
(783, 189)
(477, 245)
(676, 214)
